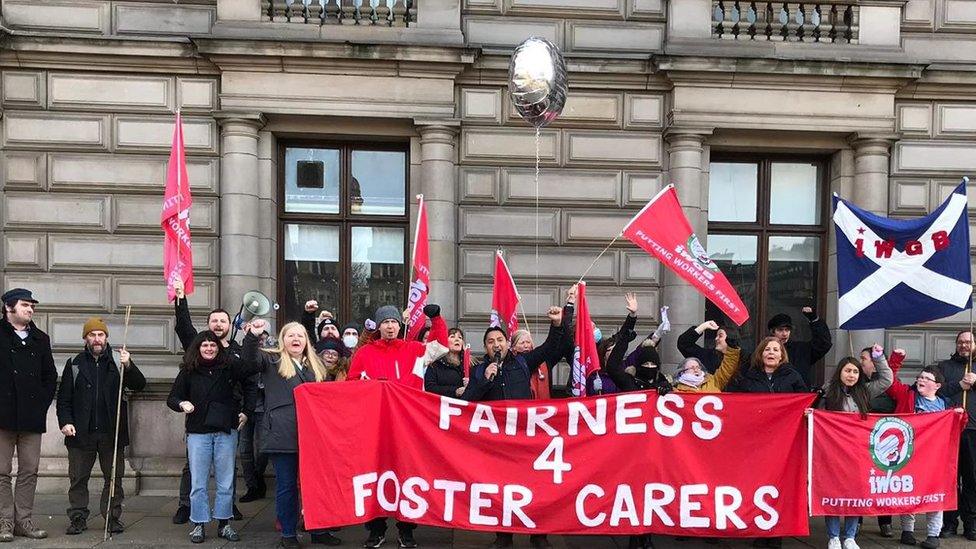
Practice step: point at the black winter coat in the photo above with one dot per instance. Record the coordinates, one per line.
(513, 380)
(278, 430)
(784, 380)
(28, 379)
(210, 386)
(97, 380)
(953, 369)
(615, 364)
(689, 348)
(804, 354)
(443, 378)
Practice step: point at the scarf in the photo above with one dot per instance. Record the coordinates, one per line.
(691, 379)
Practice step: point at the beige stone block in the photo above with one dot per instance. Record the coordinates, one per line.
(594, 108)
(564, 264)
(941, 189)
(592, 226)
(513, 145)
(913, 342)
(119, 173)
(196, 93)
(140, 214)
(640, 187)
(74, 91)
(122, 253)
(509, 223)
(909, 196)
(24, 89)
(639, 268)
(338, 94)
(643, 110)
(146, 333)
(959, 15)
(475, 301)
(640, 9)
(591, 147)
(931, 156)
(564, 6)
(57, 15)
(939, 346)
(614, 36)
(149, 294)
(483, 6)
(955, 120)
(561, 186)
(880, 25)
(607, 303)
(481, 105)
(479, 184)
(163, 19)
(65, 291)
(144, 133)
(915, 118)
(55, 211)
(939, 47)
(24, 170)
(919, 14)
(25, 250)
(483, 31)
(76, 131)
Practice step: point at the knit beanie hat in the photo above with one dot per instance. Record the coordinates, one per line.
(326, 322)
(92, 324)
(328, 344)
(386, 312)
(648, 354)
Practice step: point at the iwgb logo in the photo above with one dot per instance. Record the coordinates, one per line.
(892, 443)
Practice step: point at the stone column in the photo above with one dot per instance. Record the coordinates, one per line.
(686, 156)
(240, 228)
(438, 173)
(268, 219)
(872, 154)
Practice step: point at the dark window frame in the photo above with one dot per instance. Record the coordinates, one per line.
(345, 218)
(763, 229)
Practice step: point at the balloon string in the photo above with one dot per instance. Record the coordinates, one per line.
(537, 153)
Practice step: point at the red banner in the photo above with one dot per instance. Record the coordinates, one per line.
(663, 231)
(585, 356)
(628, 463)
(504, 297)
(420, 283)
(885, 465)
(175, 218)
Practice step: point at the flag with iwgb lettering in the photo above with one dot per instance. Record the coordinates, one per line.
(175, 218)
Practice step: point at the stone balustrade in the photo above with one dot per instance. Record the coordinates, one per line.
(826, 22)
(382, 13)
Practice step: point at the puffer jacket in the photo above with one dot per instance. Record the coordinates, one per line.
(400, 360)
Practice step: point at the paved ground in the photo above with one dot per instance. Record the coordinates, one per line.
(149, 526)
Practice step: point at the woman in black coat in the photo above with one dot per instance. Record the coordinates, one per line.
(769, 371)
(445, 376)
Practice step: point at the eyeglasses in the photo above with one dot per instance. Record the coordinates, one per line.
(923, 377)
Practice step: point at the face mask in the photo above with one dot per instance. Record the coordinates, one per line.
(350, 341)
(597, 334)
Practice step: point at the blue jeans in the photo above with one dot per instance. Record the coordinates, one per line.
(286, 492)
(833, 527)
(216, 451)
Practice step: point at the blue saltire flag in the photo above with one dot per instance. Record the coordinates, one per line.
(894, 272)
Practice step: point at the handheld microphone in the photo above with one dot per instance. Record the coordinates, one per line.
(495, 360)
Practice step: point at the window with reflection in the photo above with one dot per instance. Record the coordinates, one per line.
(767, 232)
(343, 219)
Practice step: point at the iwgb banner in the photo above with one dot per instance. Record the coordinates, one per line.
(663, 231)
(619, 464)
(420, 281)
(885, 465)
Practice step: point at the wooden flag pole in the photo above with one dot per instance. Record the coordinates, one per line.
(118, 418)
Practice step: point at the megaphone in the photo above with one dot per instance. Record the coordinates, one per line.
(254, 304)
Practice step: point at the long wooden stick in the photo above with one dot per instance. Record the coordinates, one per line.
(118, 418)
(972, 347)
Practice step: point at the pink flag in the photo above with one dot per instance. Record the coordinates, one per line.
(504, 297)
(663, 231)
(175, 218)
(420, 284)
(585, 359)
(466, 361)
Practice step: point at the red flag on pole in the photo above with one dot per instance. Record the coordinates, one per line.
(504, 297)
(466, 361)
(420, 281)
(585, 359)
(663, 231)
(175, 218)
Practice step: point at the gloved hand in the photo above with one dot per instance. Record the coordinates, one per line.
(809, 313)
(432, 310)
(663, 388)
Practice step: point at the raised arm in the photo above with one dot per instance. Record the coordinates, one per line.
(820, 341)
(730, 359)
(308, 319)
(437, 344)
(184, 325)
(885, 377)
(535, 357)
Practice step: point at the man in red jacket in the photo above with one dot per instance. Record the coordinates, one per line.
(393, 358)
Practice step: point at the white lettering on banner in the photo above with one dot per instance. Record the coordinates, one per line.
(420, 504)
(630, 417)
(556, 464)
(450, 488)
(727, 499)
(478, 502)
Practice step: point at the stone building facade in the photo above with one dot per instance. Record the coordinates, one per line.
(755, 111)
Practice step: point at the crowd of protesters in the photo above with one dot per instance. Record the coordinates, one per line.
(238, 404)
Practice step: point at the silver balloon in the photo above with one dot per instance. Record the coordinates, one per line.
(537, 81)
